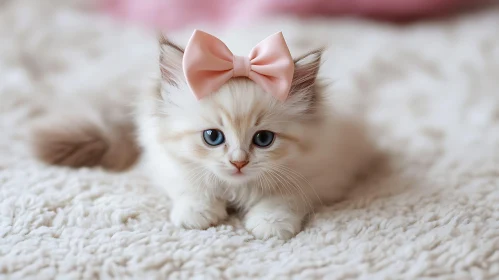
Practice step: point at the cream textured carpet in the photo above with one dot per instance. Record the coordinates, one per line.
(429, 209)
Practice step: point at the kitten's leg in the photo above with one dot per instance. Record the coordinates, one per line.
(197, 211)
(276, 216)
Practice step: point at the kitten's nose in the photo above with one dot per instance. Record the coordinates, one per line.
(239, 164)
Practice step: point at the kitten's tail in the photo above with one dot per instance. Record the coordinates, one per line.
(77, 141)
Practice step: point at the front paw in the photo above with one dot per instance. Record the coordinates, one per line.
(195, 214)
(265, 224)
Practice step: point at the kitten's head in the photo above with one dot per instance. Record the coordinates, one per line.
(240, 133)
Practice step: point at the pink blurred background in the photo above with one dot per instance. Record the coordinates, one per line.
(175, 14)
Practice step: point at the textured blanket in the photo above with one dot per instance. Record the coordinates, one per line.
(429, 208)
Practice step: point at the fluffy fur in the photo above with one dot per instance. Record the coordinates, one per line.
(87, 135)
(312, 160)
(315, 154)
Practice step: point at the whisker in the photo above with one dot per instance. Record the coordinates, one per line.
(296, 185)
(260, 182)
(267, 180)
(283, 185)
(296, 173)
(272, 173)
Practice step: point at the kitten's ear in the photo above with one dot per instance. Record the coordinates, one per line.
(306, 70)
(170, 61)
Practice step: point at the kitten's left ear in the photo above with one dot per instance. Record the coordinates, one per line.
(170, 61)
(305, 74)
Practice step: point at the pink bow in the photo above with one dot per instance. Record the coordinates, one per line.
(208, 64)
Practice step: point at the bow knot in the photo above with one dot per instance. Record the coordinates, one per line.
(208, 64)
(242, 66)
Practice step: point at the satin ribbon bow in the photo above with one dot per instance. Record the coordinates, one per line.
(208, 64)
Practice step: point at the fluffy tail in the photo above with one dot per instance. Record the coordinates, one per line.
(79, 142)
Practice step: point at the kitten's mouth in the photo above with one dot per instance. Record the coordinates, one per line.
(238, 176)
(237, 173)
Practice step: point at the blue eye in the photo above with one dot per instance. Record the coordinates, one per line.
(263, 138)
(213, 137)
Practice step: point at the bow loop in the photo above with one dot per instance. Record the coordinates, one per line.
(208, 64)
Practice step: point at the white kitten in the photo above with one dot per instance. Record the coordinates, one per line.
(273, 161)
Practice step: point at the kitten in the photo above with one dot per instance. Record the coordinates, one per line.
(275, 162)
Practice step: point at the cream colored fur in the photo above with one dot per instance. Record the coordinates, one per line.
(428, 211)
(314, 157)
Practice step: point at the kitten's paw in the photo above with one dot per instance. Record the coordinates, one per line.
(264, 225)
(194, 214)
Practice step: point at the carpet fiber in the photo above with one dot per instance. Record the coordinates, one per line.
(429, 208)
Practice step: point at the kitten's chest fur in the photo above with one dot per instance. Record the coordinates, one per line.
(241, 196)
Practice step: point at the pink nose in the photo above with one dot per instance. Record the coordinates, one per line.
(239, 164)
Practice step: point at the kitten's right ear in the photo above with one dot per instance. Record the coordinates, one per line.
(170, 61)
